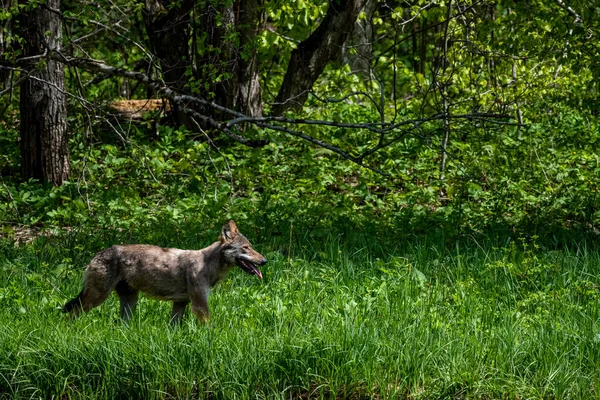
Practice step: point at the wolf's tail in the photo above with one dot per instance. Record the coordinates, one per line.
(72, 304)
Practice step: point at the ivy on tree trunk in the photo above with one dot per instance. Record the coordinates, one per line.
(229, 54)
(43, 106)
(167, 24)
(225, 59)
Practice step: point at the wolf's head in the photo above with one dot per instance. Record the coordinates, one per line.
(237, 250)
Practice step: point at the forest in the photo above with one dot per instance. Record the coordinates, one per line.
(423, 177)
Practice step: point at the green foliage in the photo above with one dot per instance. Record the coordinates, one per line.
(414, 319)
(526, 179)
(528, 59)
(384, 286)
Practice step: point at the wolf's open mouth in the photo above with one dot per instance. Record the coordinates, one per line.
(249, 267)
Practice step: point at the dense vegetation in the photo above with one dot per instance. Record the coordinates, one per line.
(430, 212)
(421, 319)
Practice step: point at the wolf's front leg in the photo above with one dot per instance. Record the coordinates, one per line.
(200, 310)
(199, 299)
(178, 311)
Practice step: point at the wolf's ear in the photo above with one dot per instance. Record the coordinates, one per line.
(228, 232)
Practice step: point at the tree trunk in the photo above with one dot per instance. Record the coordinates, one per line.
(233, 61)
(250, 20)
(311, 56)
(43, 106)
(168, 27)
(228, 67)
(361, 41)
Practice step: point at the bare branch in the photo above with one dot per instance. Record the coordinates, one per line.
(183, 101)
(337, 150)
(368, 125)
(577, 19)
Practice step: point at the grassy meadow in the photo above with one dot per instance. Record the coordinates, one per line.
(416, 319)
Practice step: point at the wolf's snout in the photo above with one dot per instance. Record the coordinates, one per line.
(262, 262)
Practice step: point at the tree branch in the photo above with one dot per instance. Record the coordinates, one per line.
(311, 56)
(183, 100)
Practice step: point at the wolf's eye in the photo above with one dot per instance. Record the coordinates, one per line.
(245, 247)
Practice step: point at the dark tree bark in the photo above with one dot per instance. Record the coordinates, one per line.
(312, 55)
(250, 20)
(361, 41)
(168, 27)
(235, 59)
(43, 106)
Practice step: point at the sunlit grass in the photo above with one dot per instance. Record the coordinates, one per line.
(474, 319)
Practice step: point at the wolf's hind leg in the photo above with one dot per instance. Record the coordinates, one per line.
(93, 297)
(74, 306)
(128, 297)
(89, 298)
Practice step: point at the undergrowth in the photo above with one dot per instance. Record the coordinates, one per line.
(416, 318)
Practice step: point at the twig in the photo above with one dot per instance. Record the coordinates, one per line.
(182, 102)
(578, 20)
(12, 199)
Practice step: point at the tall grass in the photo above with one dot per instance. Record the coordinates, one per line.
(421, 319)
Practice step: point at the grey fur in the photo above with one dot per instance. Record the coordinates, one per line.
(180, 276)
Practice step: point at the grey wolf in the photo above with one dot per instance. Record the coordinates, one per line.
(180, 276)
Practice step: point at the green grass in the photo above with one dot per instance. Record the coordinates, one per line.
(420, 319)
